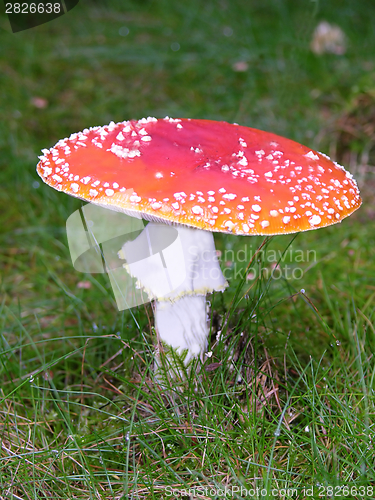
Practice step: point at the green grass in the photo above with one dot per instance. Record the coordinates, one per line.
(287, 398)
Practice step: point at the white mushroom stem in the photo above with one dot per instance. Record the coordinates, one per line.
(182, 325)
(180, 268)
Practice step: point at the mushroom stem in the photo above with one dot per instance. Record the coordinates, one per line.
(182, 324)
(181, 269)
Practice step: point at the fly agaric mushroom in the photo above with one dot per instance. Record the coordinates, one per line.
(201, 176)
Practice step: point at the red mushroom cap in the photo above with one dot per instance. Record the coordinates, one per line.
(206, 174)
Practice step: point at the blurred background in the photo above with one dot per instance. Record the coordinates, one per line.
(269, 65)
